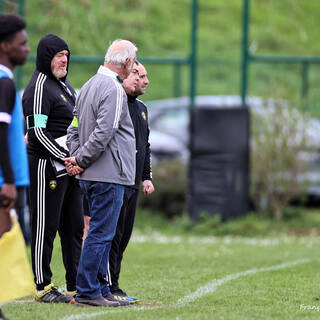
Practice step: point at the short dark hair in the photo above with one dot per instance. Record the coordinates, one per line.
(10, 24)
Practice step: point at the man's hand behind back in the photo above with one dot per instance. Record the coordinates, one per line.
(147, 187)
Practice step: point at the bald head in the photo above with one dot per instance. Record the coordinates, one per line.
(143, 80)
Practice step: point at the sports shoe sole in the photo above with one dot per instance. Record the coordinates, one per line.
(42, 301)
(131, 300)
(88, 304)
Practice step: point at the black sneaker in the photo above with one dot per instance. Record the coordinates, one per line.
(51, 294)
(122, 302)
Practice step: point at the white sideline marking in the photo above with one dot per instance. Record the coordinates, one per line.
(113, 310)
(202, 291)
(157, 237)
(213, 285)
(21, 301)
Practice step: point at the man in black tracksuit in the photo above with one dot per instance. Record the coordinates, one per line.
(139, 117)
(55, 197)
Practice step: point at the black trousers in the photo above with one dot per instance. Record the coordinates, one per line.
(55, 205)
(123, 234)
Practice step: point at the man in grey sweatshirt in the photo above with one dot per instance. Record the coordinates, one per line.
(102, 146)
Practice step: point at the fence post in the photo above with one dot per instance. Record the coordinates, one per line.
(305, 79)
(245, 51)
(176, 79)
(18, 71)
(21, 8)
(193, 54)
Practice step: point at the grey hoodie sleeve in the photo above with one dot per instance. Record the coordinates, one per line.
(107, 123)
(73, 142)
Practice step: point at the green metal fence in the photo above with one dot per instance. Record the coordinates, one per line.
(248, 58)
(191, 59)
(12, 6)
(177, 63)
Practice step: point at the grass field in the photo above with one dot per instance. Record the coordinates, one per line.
(203, 277)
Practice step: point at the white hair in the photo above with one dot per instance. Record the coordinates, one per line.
(119, 51)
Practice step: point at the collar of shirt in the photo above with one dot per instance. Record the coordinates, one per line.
(131, 98)
(6, 70)
(107, 72)
(66, 88)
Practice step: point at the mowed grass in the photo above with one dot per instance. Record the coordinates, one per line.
(168, 272)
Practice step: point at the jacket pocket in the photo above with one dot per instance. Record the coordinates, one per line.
(120, 162)
(117, 159)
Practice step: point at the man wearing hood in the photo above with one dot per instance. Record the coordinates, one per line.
(55, 197)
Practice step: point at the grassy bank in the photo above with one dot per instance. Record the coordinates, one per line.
(162, 29)
(297, 222)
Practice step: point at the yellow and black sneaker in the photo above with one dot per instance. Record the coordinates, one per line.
(120, 295)
(70, 293)
(51, 294)
(112, 298)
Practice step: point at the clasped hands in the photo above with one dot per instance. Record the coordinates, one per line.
(72, 166)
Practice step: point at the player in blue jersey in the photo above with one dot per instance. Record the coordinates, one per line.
(13, 156)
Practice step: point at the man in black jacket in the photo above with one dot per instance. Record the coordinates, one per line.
(55, 197)
(139, 117)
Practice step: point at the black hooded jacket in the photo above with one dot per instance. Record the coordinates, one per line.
(139, 116)
(48, 102)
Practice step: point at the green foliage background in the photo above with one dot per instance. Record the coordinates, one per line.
(162, 29)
